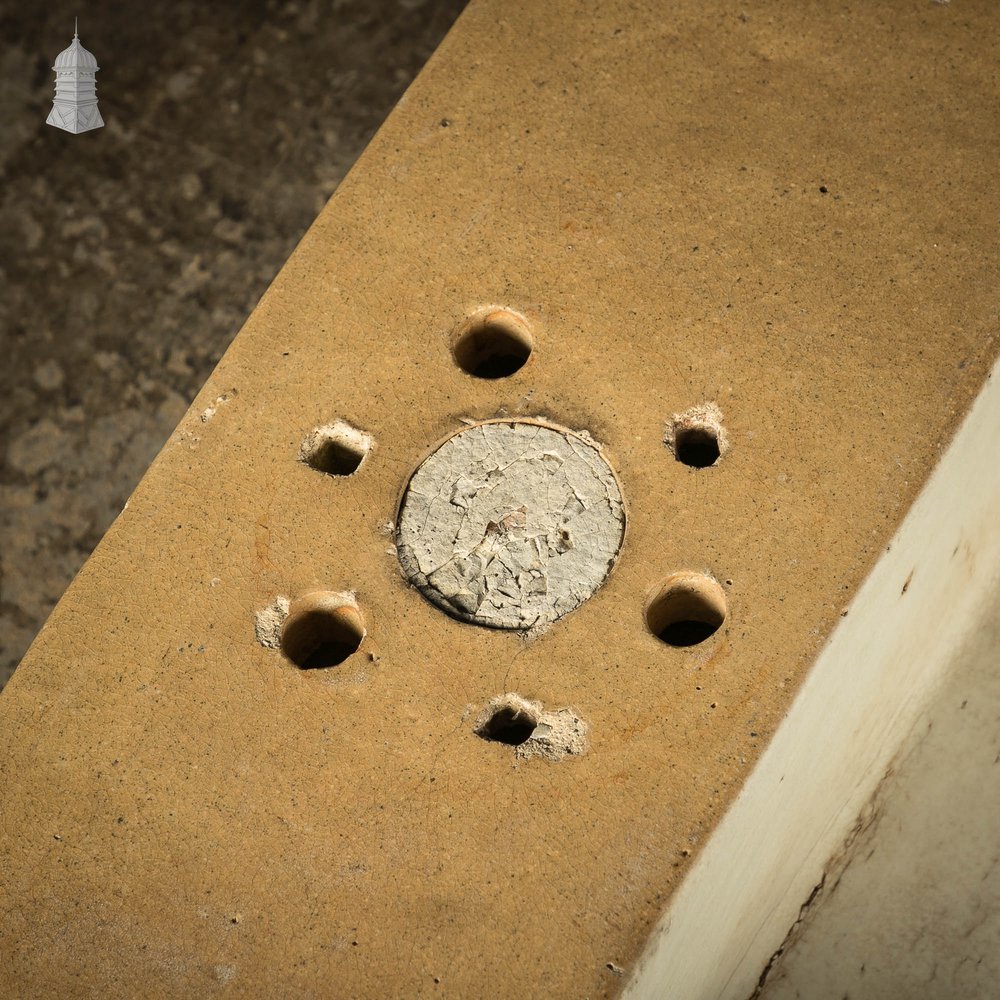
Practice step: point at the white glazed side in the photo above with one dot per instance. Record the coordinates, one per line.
(860, 701)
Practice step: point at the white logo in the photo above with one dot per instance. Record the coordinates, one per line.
(75, 106)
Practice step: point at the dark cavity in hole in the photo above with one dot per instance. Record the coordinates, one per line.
(327, 654)
(336, 458)
(696, 446)
(321, 637)
(492, 348)
(686, 633)
(508, 725)
(689, 608)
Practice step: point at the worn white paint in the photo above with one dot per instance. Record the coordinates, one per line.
(855, 710)
(511, 524)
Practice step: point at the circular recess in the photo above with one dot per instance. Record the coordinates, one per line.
(687, 609)
(509, 720)
(697, 437)
(338, 449)
(511, 523)
(321, 630)
(492, 344)
(697, 446)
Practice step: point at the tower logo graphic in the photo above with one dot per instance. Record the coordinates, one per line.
(75, 106)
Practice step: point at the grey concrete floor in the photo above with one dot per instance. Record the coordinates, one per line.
(130, 256)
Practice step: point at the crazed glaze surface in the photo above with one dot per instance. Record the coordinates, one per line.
(511, 524)
(185, 812)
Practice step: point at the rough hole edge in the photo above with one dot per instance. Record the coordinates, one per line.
(557, 734)
(338, 433)
(704, 417)
(467, 423)
(512, 323)
(271, 621)
(701, 586)
(513, 705)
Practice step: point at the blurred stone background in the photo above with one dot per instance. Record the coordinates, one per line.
(130, 256)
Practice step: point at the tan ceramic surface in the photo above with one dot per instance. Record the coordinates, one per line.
(184, 813)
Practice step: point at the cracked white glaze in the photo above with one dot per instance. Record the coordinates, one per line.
(511, 524)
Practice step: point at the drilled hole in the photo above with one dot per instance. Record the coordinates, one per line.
(337, 459)
(336, 449)
(492, 345)
(509, 720)
(321, 630)
(697, 437)
(687, 610)
(697, 446)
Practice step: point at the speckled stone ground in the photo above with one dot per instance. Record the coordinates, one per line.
(130, 256)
